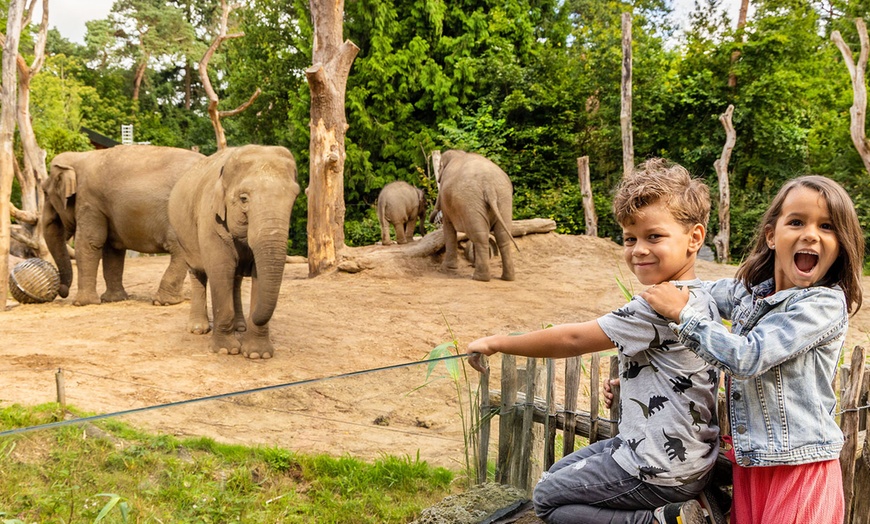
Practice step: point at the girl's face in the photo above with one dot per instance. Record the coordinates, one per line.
(804, 240)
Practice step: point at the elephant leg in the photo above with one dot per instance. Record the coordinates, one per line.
(113, 273)
(89, 251)
(239, 323)
(451, 245)
(385, 232)
(400, 233)
(255, 341)
(198, 320)
(223, 335)
(503, 240)
(172, 284)
(409, 230)
(480, 241)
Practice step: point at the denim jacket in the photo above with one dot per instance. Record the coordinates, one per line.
(780, 356)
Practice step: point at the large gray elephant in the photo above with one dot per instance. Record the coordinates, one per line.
(231, 213)
(113, 200)
(402, 205)
(476, 197)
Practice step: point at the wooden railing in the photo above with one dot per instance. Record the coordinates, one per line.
(531, 415)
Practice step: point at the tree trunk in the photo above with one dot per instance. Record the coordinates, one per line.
(859, 89)
(327, 81)
(188, 79)
(586, 191)
(738, 37)
(138, 76)
(34, 173)
(625, 113)
(7, 130)
(436, 167)
(722, 239)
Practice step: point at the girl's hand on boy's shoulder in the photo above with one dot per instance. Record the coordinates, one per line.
(667, 299)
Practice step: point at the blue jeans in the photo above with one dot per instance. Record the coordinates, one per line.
(588, 486)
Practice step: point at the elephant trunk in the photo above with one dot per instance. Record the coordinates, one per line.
(270, 252)
(55, 239)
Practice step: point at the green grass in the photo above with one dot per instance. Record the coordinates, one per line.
(116, 473)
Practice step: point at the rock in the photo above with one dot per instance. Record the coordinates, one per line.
(477, 505)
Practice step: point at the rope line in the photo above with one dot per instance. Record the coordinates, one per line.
(62, 423)
(853, 410)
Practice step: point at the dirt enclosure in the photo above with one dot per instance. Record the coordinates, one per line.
(128, 355)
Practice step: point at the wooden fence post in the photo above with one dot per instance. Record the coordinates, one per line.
(506, 417)
(61, 391)
(572, 389)
(485, 427)
(614, 407)
(849, 425)
(594, 394)
(550, 435)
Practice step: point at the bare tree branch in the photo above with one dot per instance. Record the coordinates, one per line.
(23, 216)
(857, 70)
(241, 107)
(213, 113)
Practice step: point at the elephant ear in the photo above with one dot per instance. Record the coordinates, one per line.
(66, 182)
(218, 204)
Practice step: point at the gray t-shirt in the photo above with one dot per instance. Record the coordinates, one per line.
(668, 430)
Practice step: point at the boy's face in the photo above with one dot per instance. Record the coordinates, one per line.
(804, 240)
(657, 248)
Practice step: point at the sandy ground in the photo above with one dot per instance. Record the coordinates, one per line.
(130, 355)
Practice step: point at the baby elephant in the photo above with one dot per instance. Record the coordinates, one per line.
(231, 213)
(476, 197)
(401, 205)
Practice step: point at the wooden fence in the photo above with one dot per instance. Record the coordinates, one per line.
(530, 415)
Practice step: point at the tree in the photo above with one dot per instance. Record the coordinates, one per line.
(327, 79)
(34, 173)
(7, 130)
(149, 30)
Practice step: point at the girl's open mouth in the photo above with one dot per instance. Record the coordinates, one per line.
(805, 261)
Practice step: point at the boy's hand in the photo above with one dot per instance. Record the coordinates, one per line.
(608, 391)
(476, 350)
(667, 300)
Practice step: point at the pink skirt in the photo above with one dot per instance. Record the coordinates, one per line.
(787, 494)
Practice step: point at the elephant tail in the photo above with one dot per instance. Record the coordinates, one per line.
(492, 201)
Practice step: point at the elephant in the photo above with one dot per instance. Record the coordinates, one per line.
(112, 200)
(231, 213)
(475, 196)
(402, 205)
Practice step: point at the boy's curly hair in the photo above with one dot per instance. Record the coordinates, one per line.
(659, 180)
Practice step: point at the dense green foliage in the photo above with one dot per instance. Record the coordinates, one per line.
(68, 475)
(533, 84)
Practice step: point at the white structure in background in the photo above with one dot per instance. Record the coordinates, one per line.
(127, 134)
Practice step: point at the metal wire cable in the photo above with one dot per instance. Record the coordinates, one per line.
(221, 396)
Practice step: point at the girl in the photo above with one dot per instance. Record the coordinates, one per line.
(789, 307)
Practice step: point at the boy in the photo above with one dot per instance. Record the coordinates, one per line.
(668, 437)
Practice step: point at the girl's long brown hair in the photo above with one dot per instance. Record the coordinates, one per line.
(847, 268)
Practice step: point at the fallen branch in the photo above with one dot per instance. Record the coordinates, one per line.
(358, 259)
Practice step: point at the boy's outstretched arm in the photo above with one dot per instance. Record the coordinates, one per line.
(562, 341)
